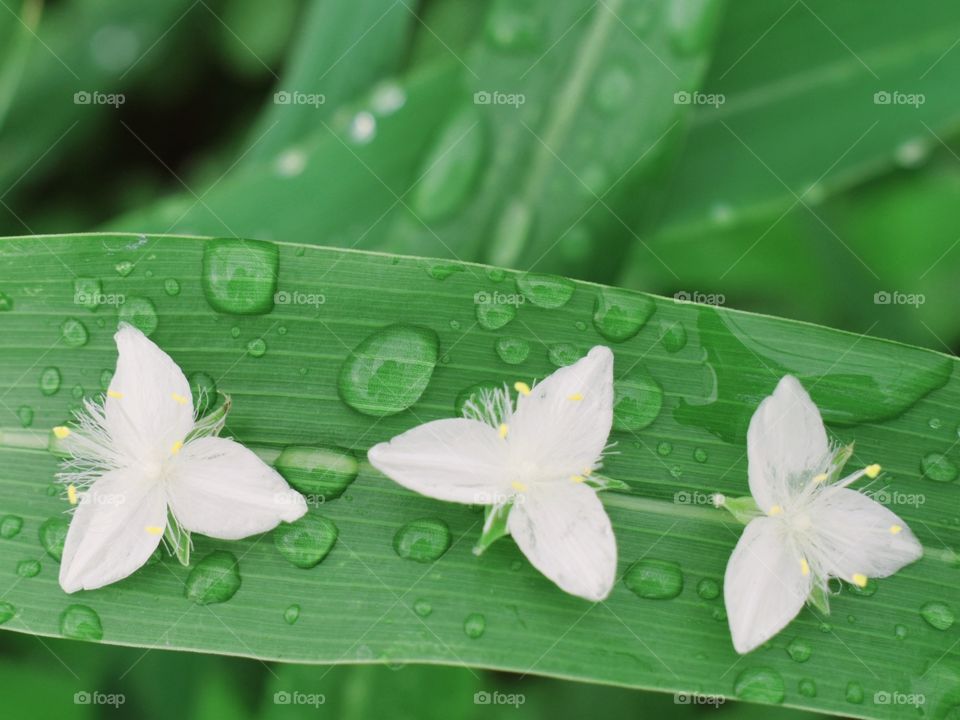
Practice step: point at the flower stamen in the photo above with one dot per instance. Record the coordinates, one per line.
(518, 486)
(895, 529)
(176, 447)
(114, 394)
(72, 494)
(153, 529)
(504, 428)
(179, 399)
(576, 397)
(859, 579)
(804, 566)
(61, 432)
(775, 510)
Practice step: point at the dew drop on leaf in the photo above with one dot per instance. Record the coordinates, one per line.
(618, 315)
(124, 268)
(493, 310)
(291, 614)
(25, 415)
(673, 336)
(511, 350)
(49, 380)
(257, 347)
(442, 271)
(7, 611)
(545, 291)
(759, 684)
(422, 540)
(139, 312)
(807, 688)
(422, 608)
(215, 579)
(74, 333)
(854, 692)
(307, 541)
(389, 370)
(637, 401)
(664, 448)
(496, 275)
(708, 589)
(6, 302)
(563, 354)
(900, 631)
(938, 467)
(53, 535)
(106, 377)
(81, 623)
(474, 625)
(320, 473)
(28, 568)
(10, 526)
(655, 579)
(938, 615)
(171, 286)
(799, 650)
(700, 455)
(240, 276)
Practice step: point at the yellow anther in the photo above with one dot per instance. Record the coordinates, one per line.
(804, 566)
(114, 394)
(577, 478)
(522, 388)
(871, 471)
(775, 510)
(176, 447)
(503, 430)
(154, 529)
(179, 399)
(61, 432)
(894, 529)
(588, 472)
(575, 397)
(518, 486)
(822, 477)
(859, 579)
(72, 494)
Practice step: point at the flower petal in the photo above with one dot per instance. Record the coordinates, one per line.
(565, 532)
(148, 405)
(116, 527)
(219, 488)
(562, 426)
(764, 586)
(786, 444)
(457, 460)
(856, 535)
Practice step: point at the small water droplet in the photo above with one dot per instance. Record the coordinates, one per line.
(215, 579)
(700, 455)
(854, 692)
(454, 324)
(496, 275)
(825, 627)
(664, 448)
(306, 542)
(28, 568)
(442, 272)
(708, 589)
(422, 608)
(938, 467)
(139, 312)
(319, 473)
(124, 268)
(25, 415)
(511, 350)
(759, 684)
(171, 286)
(807, 688)
(81, 623)
(938, 615)
(7, 611)
(49, 380)
(563, 354)
(618, 315)
(719, 614)
(240, 276)
(88, 292)
(291, 614)
(655, 579)
(423, 540)
(799, 650)
(900, 631)
(53, 534)
(10, 526)
(673, 336)
(546, 291)
(870, 588)
(494, 310)
(6, 302)
(474, 625)
(637, 401)
(257, 347)
(389, 370)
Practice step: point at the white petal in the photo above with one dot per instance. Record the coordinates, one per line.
(219, 488)
(564, 531)
(786, 444)
(457, 460)
(148, 406)
(858, 535)
(562, 426)
(764, 586)
(109, 537)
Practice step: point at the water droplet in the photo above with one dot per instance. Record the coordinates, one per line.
(807, 688)
(442, 272)
(618, 315)
(900, 631)
(664, 448)
(306, 542)
(825, 627)
(563, 354)
(719, 614)
(215, 579)
(320, 473)
(708, 589)
(389, 370)
(7, 611)
(139, 312)
(257, 347)
(422, 608)
(867, 590)
(655, 579)
(938, 467)
(451, 167)
(759, 684)
(546, 291)
(511, 350)
(637, 401)
(80, 623)
(240, 276)
(493, 312)
(291, 614)
(49, 380)
(10, 526)
(363, 128)
(235, 331)
(474, 625)
(124, 268)
(28, 568)
(613, 89)
(854, 692)
(496, 275)
(87, 292)
(514, 25)
(673, 336)
(171, 286)
(422, 540)
(25, 415)
(53, 534)
(700, 455)
(938, 615)
(105, 378)
(6, 302)
(799, 650)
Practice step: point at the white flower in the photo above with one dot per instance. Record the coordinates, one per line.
(145, 468)
(809, 527)
(531, 465)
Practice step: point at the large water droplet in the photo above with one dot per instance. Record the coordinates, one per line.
(389, 370)
(655, 579)
(474, 625)
(618, 315)
(215, 579)
(511, 350)
(451, 167)
(49, 380)
(28, 568)
(240, 276)
(546, 291)
(759, 684)
(422, 540)
(291, 614)
(938, 615)
(10, 526)
(319, 473)
(53, 534)
(139, 312)
(799, 650)
(7, 611)
(637, 401)
(306, 542)
(494, 309)
(80, 623)
(74, 333)
(938, 467)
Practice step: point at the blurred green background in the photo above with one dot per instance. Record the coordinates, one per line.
(791, 157)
